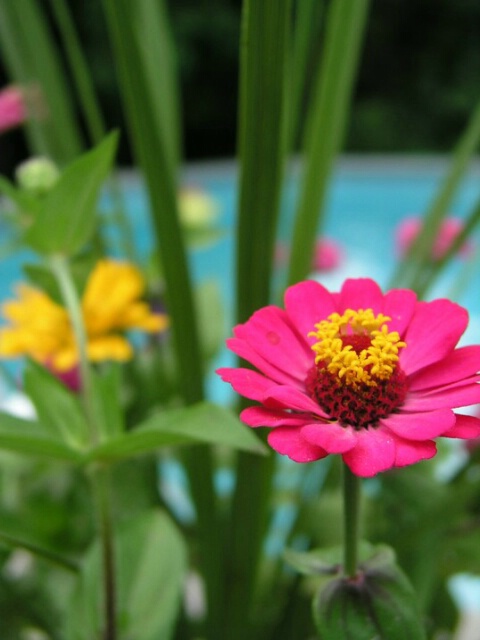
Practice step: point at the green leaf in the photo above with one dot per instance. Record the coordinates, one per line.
(58, 408)
(33, 438)
(151, 567)
(201, 423)
(106, 398)
(26, 203)
(67, 217)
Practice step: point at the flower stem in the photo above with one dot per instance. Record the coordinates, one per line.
(100, 479)
(351, 506)
(100, 475)
(60, 268)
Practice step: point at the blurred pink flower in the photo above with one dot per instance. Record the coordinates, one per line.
(409, 228)
(13, 111)
(370, 376)
(328, 255)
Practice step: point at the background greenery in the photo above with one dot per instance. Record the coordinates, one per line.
(418, 79)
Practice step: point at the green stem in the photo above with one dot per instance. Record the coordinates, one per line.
(61, 271)
(100, 479)
(351, 506)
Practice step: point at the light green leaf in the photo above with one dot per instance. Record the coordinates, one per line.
(151, 566)
(106, 398)
(33, 438)
(58, 408)
(67, 218)
(201, 423)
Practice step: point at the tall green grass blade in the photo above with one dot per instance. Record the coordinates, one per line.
(262, 147)
(155, 155)
(410, 271)
(325, 127)
(80, 73)
(306, 35)
(32, 59)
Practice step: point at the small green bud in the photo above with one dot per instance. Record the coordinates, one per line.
(37, 175)
(378, 604)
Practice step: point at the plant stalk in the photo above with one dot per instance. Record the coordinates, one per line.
(351, 506)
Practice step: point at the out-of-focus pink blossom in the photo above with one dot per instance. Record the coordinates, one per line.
(71, 377)
(408, 230)
(328, 255)
(13, 112)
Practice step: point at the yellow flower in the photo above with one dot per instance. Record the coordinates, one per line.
(111, 304)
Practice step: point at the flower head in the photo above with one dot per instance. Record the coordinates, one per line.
(13, 111)
(408, 230)
(327, 256)
(111, 304)
(370, 376)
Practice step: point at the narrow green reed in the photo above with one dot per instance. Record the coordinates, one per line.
(32, 59)
(429, 275)
(326, 124)
(99, 476)
(153, 148)
(78, 67)
(262, 136)
(306, 35)
(411, 270)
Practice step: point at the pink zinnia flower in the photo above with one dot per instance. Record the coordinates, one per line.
(13, 111)
(408, 230)
(370, 376)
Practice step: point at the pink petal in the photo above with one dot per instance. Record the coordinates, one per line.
(459, 365)
(330, 436)
(374, 452)
(434, 331)
(466, 427)
(270, 334)
(461, 394)
(246, 382)
(306, 304)
(399, 305)
(360, 293)
(245, 351)
(282, 396)
(420, 426)
(262, 417)
(289, 442)
(408, 452)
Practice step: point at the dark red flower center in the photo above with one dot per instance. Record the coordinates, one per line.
(359, 406)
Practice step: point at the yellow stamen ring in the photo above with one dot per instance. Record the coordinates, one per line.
(357, 347)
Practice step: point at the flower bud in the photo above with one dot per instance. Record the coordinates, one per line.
(37, 175)
(377, 603)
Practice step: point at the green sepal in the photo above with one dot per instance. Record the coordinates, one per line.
(378, 602)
